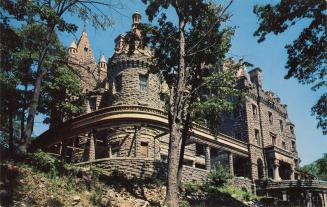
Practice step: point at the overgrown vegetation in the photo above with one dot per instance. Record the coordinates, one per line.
(218, 187)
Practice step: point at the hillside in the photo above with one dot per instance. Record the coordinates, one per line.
(41, 180)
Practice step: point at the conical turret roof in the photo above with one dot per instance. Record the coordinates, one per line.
(73, 45)
(102, 59)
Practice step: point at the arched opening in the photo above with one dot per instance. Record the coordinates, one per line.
(260, 169)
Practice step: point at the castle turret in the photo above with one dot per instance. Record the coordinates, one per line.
(129, 79)
(256, 77)
(72, 50)
(102, 68)
(136, 19)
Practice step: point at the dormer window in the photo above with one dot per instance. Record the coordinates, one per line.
(143, 82)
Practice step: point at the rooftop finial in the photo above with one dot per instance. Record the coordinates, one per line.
(136, 17)
(84, 26)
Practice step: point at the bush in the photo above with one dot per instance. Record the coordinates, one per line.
(218, 176)
(46, 163)
(190, 188)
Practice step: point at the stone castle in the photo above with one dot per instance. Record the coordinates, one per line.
(125, 128)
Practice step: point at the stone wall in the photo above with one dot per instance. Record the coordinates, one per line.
(144, 168)
(128, 71)
(191, 174)
(242, 183)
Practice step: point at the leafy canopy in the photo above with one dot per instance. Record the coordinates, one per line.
(307, 54)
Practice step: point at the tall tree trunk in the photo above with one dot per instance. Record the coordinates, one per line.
(41, 72)
(176, 110)
(22, 118)
(185, 136)
(11, 130)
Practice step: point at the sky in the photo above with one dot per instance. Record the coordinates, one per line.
(270, 56)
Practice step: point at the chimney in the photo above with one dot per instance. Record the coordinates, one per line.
(256, 77)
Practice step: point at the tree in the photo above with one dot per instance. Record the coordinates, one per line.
(17, 76)
(307, 54)
(191, 70)
(317, 168)
(51, 14)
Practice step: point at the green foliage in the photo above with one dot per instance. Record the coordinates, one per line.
(318, 168)
(191, 187)
(46, 163)
(307, 54)
(218, 176)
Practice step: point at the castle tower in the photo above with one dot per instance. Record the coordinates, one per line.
(131, 83)
(83, 63)
(129, 80)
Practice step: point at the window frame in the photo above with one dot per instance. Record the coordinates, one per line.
(143, 83)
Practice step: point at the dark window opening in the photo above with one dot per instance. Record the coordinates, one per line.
(273, 139)
(199, 148)
(257, 136)
(118, 81)
(144, 149)
(281, 125)
(188, 162)
(254, 111)
(201, 166)
(292, 129)
(293, 146)
(86, 49)
(93, 104)
(114, 148)
(270, 118)
(143, 82)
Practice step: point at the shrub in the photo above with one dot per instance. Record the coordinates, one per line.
(46, 163)
(191, 188)
(218, 176)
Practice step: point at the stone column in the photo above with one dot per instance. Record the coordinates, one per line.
(92, 148)
(89, 149)
(276, 170)
(321, 196)
(207, 158)
(308, 199)
(324, 195)
(231, 163)
(284, 193)
(292, 177)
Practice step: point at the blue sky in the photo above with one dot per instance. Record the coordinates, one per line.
(270, 56)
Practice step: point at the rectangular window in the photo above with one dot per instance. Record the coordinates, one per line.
(143, 82)
(257, 136)
(284, 145)
(270, 118)
(281, 125)
(114, 149)
(118, 81)
(254, 111)
(93, 104)
(273, 139)
(144, 149)
(293, 146)
(292, 129)
(199, 148)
